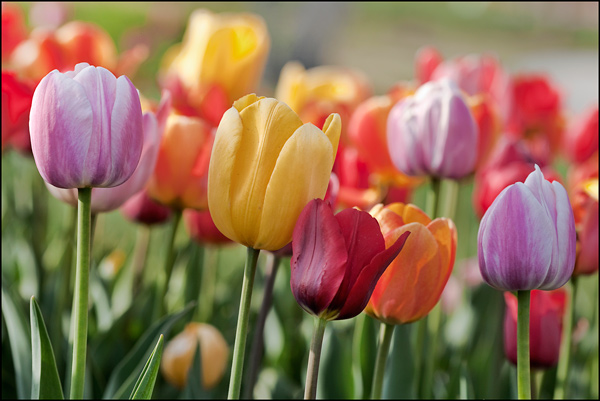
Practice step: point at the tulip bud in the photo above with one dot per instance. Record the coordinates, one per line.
(433, 132)
(259, 179)
(16, 105)
(337, 260)
(140, 208)
(201, 228)
(86, 128)
(426, 262)
(179, 354)
(546, 312)
(526, 239)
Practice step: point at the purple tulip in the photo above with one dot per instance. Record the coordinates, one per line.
(433, 132)
(86, 128)
(526, 239)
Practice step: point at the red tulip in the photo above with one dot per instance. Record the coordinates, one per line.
(547, 309)
(16, 104)
(201, 227)
(581, 140)
(14, 30)
(140, 208)
(427, 60)
(338, 259)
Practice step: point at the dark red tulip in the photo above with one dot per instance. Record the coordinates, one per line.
(337, 260)
(202, 228)
(140, 208)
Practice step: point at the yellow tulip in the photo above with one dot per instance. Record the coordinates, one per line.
(224, 50)
(264, 168)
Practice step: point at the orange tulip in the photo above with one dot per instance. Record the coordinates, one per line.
(181, 173)
(414, 281)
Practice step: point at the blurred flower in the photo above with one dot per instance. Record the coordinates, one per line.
(179, 354)
(16, 104)
(338, 259)
(86, 128)
(510, 162)
(433, 132)
(221, 58)
(427, 60)
(49, 14)
(317, 92)
(526, 239)
(414, 282)
(488, 124)
(140, 208)
(580, 142)
(14, 30)
(72, 43)
(533, 112)
(180, 177)
(264, 168)
(547, 309)
(201, 227)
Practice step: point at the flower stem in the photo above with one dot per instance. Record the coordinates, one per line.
(523, 368)
(169, 262)
(433, 197)
(241, 332)
(312, 371)
(79, 320)
(258, 339)
(562, 371)
(385, 338)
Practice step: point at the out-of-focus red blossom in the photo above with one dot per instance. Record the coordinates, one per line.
(509, 163)
(317, 92)
(353, 174)
(16, 103)
(75, 42)
(201, 227)
(427, 59)
(547, 309)
(14, 30)
(488, 124)
(533, 112)
(580, 141)
(140, 208)
(583, 193)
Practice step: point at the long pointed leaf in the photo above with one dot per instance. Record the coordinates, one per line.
(45, 380)
(145, 384)
(19, 339)
(122, 380)
(193, 387)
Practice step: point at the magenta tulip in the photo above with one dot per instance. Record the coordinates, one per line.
(526, 239)
(86, 128)
(337, 260)
(433, 132)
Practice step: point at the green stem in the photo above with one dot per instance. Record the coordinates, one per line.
(169, 262)
(562, 372)
(312, 371)
(258, 339)
(79, 320)
(241, 332)
(421, 333)
(523, 368)
(433, 197)
(140, 252)
(207, 283)
(385, 338)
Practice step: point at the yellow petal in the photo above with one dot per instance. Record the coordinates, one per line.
(227, 143)
(591, 188)
(267, 125)
(333, 129)
(300, 175)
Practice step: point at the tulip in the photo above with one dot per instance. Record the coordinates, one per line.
(201, 228)
(258, 178)
(108, 199)
(426, 262)
(140, 208)
(545, 327)
(526, 239)
(333, 269)
(221, 59)
(581, 140)
(179, 354)
(86, 128)
(427, 60)
(16, 105)
(14, 30)
(433, 133)
(180, 177)
(317, 92)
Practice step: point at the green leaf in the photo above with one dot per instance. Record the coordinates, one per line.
(145, 384)
(335, 374)
(399, 372)
(193, 387)
(19, 339)
(122, 380)
(45, 382)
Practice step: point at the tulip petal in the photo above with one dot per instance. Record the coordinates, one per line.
(332, 129)
(319, 260)
(225, 147)
(293, 184)
(266, 127)
(513, 247)
(365, 283)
